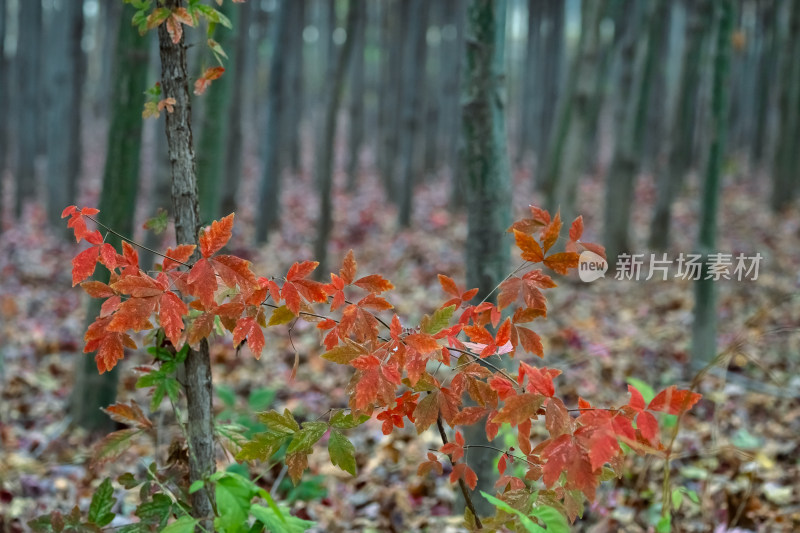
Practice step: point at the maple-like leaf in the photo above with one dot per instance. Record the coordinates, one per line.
(422, 343)
(564, 455)
(176, 256)
(531, 251)
(576, 229)
(84, 263)
(247, 328)
(130, 414)
(458, 295)
(648, 426)
(349, 267)
(518, 408)
(171, 310)
(462, 471)
(427, 411)
(674, 401)
(296, 464)
(540, 380)
(454, 449)
(97, 289)
(140, 286)
(214, 237)
(204, 81)
(374, 283)
(562, 262)
(431, 464)
(202, 282)
(550, 233)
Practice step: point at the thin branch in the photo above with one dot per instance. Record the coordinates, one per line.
(461, 483)
(143, 247)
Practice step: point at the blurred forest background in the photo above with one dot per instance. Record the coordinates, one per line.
(672, 126)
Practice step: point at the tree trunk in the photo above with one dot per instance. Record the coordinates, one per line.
(487, 177)
(784, 184)
(198, 385)
(293, 117)
(357, 97)
(629, 150)
(214, 129)
(704, 329)
(765, 79)
(29, 88)
(451, 126)
(117, 204)
(552, 64)
(65, 80)
(234, 153)
(4, 96)
(411, 110)
(394, 26)
(325, 145)
(528, 130)
(569, 155)
(269, 197)
(681, 140)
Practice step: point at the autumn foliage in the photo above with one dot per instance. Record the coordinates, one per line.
(420, 374)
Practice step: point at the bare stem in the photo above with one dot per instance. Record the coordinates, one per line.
(461, 483)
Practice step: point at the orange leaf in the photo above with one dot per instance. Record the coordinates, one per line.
(562, 262)
(462, 471)
(348, 270)
(301, 270)
(374, 283)
(576, 230)
(133, 313)
(427, 411)
(247, 328)
(203, 282)
(531, 251)
(519, 408)
(449, 286)
(550, 232)
(97, 289)
(138, 286)
(130, 414)
(422, 343)
(177, 255)
(214, 237)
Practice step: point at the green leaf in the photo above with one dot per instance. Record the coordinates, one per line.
(114, 444)
(281, 315)
(102, 501)
(284, 424)
(280, 522)
(340, 420)
(342, 452)
(234, 494)
(227, 395)
(664, 524)
(128, 481)
(527, 523)
(196, 485)
(184, 524)
(157, 224)
(156, 511)
(305, 439)
(260, 399)
(554, 521)
(439, 320)
(262, 447)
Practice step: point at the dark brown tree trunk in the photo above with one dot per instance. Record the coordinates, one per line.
(198, 385)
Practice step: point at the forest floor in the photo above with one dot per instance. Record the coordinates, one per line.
(736, 453)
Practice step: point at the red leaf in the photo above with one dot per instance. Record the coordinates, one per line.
(648, 426)
(171, 311)
(201, 328)
(462, 471)
(674, 401)
(301, 270)
(97, 289)
(576, 230)
(564, 455)
(247, 328)
(422, 343)
(374, 283)
(449, 286)
(204, 81)
(138, 286)
(519, 408)
(214, 237)
(203, 282)
(427, 411)
(130, 414)
(637, 401)
(133, 313)
(177, 255)
(83, 264)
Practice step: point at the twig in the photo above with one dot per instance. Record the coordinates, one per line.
(142, 246)
(461, 483)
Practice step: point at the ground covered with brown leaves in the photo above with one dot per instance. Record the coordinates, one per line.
(736, 456)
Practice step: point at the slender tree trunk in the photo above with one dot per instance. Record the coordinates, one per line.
(293, 118)
(765, 78)
(681, 140)
(325, 145)
(395, 24)
(704, 329)
(29, 89)
(410, 108)
(214, 129)
(784, 184)
(552, 64)
(198, 385)
(117, 203)
(234, 152)
(487, 177)
(528, 130)
(452, 126)
(4, 96)
(629, 151)
(269, 197)
(357, 96)
(569, 155)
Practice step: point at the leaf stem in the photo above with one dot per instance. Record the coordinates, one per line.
(142, 246)
(461, 483)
